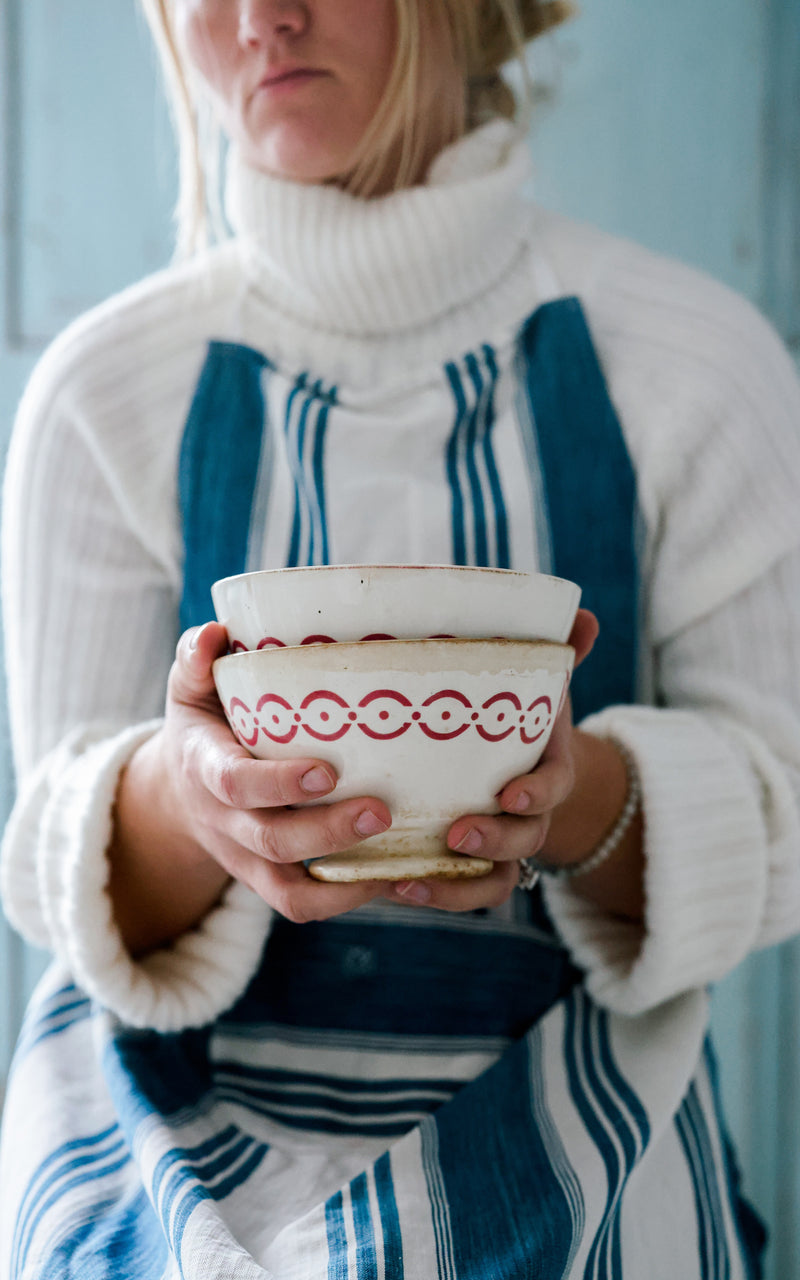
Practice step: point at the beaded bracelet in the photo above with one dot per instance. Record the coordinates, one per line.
(532, 868)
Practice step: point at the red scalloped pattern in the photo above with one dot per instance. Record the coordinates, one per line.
(272, 642)
(386, 714)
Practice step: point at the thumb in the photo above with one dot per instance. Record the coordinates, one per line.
(191, 679)
(583, 635)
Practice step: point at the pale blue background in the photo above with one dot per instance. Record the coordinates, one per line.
(676, 123)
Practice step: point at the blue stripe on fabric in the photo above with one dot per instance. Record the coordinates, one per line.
(299, 1100)
(210, 1170)
(479, 540)
(390, 1218)
(696, 1140)
(199, 1153)
(355, 1099)
(437, 1196)
(217, 472)
(56, 1166)
(336, 1087)
(237, 1177)
(195, 1176)
(575, 1053)
(69, 992)
(296, 441)
(551, 1139)
(316, 1122)
(40, 1019)
(480, 548)
(621, 1087)
(689, 1143)
(750, 1229)
(217, 1192)
(296, 392)
(95, 1174)
(122, 1241)
(54, 1023)
(338, 1268)
(590, 493)
(431, 982)
(83, 1003)
(451, 466)
(318, 468)
(503, 556)
(178, 1168)
(264, 484)
(508, 1211)
(148, 1073)
(608, 1239)
(308, 471)
(366, 1252)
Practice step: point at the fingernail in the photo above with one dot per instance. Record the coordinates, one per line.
(316, 781)
(413, 891)
(369, 824)
(522, 803)
(471, 843)
(194, 636)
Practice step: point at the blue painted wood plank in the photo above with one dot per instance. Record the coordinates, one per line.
(781, 145)
(96, 160)
(653, 127)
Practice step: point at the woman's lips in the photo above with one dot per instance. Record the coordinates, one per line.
(284, 80)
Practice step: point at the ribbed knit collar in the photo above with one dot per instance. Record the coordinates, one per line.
(365, 268)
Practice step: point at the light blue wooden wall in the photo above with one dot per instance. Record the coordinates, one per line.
(677, 124)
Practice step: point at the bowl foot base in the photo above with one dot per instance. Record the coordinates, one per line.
(356, 865)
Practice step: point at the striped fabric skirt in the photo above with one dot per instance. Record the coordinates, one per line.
(399, 1095)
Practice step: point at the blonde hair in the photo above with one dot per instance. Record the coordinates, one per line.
(484, 35)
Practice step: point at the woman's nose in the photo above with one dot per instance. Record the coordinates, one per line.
(262, 20)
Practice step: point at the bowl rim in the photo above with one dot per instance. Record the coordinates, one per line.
(334, 656)
(533, 575)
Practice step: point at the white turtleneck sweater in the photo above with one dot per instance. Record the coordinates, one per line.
(375, 297)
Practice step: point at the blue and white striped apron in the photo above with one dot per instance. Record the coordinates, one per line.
(399, 1094)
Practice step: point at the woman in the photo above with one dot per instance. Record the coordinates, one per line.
(232, 1068)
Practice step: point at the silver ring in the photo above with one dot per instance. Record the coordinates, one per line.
(528, 874)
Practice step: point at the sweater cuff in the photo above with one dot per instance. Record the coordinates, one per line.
(705, 865)
(186, 984)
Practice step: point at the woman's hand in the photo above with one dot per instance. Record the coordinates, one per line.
(559, 812)
(194, 809)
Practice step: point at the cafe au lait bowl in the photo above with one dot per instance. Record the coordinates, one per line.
(435, 728)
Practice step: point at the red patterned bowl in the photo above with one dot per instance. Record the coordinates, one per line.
(323, 604)
(435, 728)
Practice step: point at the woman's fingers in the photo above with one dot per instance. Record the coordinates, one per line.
(191, 680)
(291, 891)
(491, 890)
(505, 839)
(530, 799)
(238, 780)
(549, 784)
(584, 632)
(286, 836)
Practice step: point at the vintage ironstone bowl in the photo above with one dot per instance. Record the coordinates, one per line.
(295, 607)
(435, 728)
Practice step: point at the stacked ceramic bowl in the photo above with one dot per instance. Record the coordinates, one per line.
(430, 687)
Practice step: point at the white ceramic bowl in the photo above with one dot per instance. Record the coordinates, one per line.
(277, 607)
(435, 728)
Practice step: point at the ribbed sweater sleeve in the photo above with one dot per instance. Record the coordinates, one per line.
(720, 773)
(713, 425)
(90, 591)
